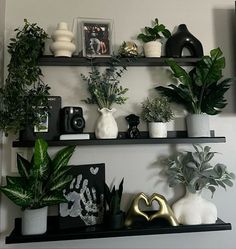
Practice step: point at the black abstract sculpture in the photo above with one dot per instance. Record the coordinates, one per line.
(183, 39)
(133, 121)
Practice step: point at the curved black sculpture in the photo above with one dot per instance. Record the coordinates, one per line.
(183, 39)
(133, 121)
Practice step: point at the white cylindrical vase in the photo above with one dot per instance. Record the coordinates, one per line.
(198, 125)
(157, 129)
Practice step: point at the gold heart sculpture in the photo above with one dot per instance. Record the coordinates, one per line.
(164, 212)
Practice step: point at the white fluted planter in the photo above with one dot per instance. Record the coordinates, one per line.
(152, 49)
(157, 129)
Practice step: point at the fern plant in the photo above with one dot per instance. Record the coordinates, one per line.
(202, 89)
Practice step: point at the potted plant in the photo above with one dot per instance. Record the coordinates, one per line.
(24, 92)
(194, 171)
(114, 214)
(105, 91)
(152, 39)
(39, 184)
(201, 91)
(157, 112)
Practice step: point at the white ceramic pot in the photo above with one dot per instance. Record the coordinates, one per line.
(34, 221)
(192, 209)
(152, 49)
(198, 125)
(106, 126)
(157, 129)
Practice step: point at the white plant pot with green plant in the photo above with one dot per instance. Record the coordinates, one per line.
(194, 171)
(157, 112)
(105, 91)
(39, 185)
(152, 39)
(201, 91)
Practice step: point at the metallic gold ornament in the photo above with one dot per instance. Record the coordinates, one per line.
(164, 212)
(128, 49)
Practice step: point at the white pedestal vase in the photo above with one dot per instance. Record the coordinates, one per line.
(157, 129)
(192, 209)
(152, 49)
(34, 221)
(198, 125)
(106, 126)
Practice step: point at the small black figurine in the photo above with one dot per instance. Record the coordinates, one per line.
(183, 39)
(133, 121)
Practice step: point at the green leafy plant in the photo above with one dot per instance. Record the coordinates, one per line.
(195, 172)
(202, 89)
(156, 110)
(104, 87)
(24, 93)
(41, 180)
(113, 198)
(155, 33)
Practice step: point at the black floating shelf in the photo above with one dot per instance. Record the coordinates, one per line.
(174, 137)
(100, 231)
(50, 60)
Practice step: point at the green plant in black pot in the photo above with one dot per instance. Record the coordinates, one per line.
(114, 214)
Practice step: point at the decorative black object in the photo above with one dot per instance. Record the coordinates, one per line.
(72, 120)
(133, 121)
(183, 39)
(85, 195)
(49, 128)
(115, 221)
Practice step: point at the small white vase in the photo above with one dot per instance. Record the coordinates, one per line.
(152, 49)
(192, 209)
(157, 129)
(106, 126)
(198, 125)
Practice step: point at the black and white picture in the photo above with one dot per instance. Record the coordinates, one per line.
(85, 196)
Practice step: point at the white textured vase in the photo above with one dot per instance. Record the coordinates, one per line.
(34, 221)
(152, 49)
(192, 209)
(62, 45)
(157, 129)
(198, 125)
(106, 126)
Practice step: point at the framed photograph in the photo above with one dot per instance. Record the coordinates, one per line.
(96, 37)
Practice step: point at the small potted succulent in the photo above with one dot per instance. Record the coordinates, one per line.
(157, 112)
(114, 215)
(39, 185)
(151, 37)
(194, 171)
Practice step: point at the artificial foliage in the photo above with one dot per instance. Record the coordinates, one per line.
(202, 89)
(158, 31)
(195, 172)
(104, 86)
(156, 110)
(41, 180)
(24, 93)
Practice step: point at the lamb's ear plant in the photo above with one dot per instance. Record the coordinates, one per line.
(195, 172)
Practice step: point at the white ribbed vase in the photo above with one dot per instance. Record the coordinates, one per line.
(157, 129)
(152, 49)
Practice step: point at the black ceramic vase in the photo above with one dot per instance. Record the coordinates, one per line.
(115, 221)
(181, 39)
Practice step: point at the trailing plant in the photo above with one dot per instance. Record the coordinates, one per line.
(156, 110)
(195, 172)
(41, 180)
(155, 33)
(104, 87)
(202, 89)
(113, 198)
(24, 93)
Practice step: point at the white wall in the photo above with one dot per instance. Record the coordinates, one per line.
(212, 22)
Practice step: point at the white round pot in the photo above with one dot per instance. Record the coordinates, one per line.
(157, 129)
(34, 221)
(106, 126)
(152, 49)
(198, 125)
(192, 209)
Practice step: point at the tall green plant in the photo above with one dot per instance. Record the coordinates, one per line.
(41, 180)
(202, 89)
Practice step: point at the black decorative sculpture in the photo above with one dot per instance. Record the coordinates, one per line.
(183, 39)
(133, 121)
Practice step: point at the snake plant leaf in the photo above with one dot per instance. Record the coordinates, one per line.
(120, 190)
(23, 166)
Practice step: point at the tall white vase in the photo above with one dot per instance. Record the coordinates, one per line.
(198, 125)
(106, 126)
(192, 209)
